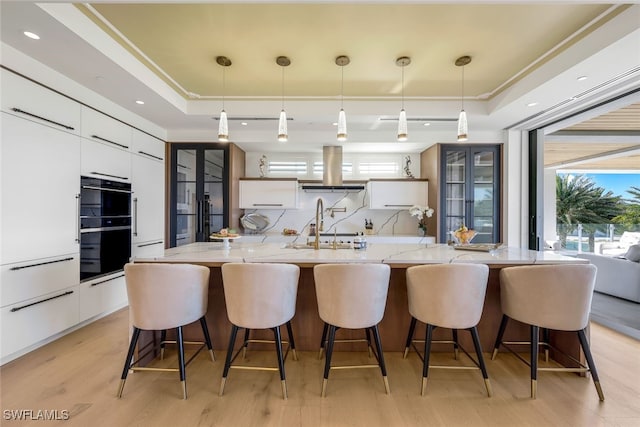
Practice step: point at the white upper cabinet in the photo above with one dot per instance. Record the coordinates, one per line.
(147, 146)
(29, 100)
(397, 194)
(268, 193)
(40, 183)
(104, 161)
(102, 128)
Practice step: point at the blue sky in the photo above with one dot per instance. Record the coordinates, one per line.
(619, 183)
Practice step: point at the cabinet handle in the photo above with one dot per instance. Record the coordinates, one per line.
(106, 174)
(150, 244)
(14, 309)
(26, 113)
(78, 196)
(110, 142)
(135, 216)
(40, 263)
(267, 204)
(150, 155)
(107, 280)
(398, 206)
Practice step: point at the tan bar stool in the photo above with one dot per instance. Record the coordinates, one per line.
(447, 296)
(352, 296)
(556, 297)
(260, 296)
(161, 297)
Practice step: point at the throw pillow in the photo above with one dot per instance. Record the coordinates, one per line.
(633, 254)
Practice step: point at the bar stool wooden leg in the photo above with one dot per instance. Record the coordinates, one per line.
(454, 332)
(183, 374)
(427, 352)
(407, 346)
(584, 343)
(503, 326)
(483, 368)
(292, 343)
(383, 368)
(327, 363)
(368, 341)
(535, 336)
(325, 329)
(245, 343)
(127, 362)
(545, 339)
(163, 338)
(207, 337)
(278, 340)
(227, 363)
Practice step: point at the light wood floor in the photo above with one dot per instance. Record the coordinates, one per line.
(80, 373)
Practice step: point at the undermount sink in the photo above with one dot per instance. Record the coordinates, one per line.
(321, 246)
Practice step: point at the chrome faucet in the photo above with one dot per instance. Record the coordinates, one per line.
(319, 222)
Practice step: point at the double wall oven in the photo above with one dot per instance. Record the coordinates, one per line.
(105, 226)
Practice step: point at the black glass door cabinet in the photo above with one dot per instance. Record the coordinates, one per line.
(470, 191)
(199, 189)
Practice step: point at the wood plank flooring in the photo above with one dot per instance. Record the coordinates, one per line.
(80, 372)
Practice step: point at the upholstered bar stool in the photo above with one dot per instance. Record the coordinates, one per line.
(260, 296)
(555, 297)
(161, 297)
(352, 296)
(447, 296)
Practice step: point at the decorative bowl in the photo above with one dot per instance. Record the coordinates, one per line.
(463, 237)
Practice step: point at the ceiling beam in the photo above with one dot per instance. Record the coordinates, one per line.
(622, 152)
(594, 136)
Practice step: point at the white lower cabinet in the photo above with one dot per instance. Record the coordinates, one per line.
(28, 322)
(102, 295)
(29, 279)
(147, 199)
(148, 249)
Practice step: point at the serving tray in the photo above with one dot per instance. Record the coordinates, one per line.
(479, 247)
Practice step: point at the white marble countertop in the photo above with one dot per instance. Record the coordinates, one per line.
(390, 253)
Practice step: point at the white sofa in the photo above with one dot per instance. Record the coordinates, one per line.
(627, 239)
(616, 276)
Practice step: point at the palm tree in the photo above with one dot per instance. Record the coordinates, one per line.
(630, 218)
(579, 201)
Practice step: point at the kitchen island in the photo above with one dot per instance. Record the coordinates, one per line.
(307, 325)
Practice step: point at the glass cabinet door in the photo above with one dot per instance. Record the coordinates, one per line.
(455, 189)
(470, 191)
(198, 192)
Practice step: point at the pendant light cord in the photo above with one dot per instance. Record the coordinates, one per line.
(223, 85)
(462, 88)
(402, 87)
(282, 88)
(342, 87)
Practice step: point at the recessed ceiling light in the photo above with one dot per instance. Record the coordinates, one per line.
(427, 124)
(140, 102)
(244, 123)
(31, 35)
(581, 78)
(532, 104)
(335, 123)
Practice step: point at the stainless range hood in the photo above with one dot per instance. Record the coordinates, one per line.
(332, 174)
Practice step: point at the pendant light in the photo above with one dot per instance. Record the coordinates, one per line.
(223, 126)
(463, 129)
(342, 117)
(283, 135)
(402, 62)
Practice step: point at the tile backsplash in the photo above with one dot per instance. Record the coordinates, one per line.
(356, 206)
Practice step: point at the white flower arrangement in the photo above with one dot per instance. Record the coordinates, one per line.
(422, 213)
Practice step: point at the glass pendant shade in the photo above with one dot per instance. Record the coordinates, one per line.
(223, 128)
(282, 127)
(462, 126)
(402, 126)
(342, 126)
